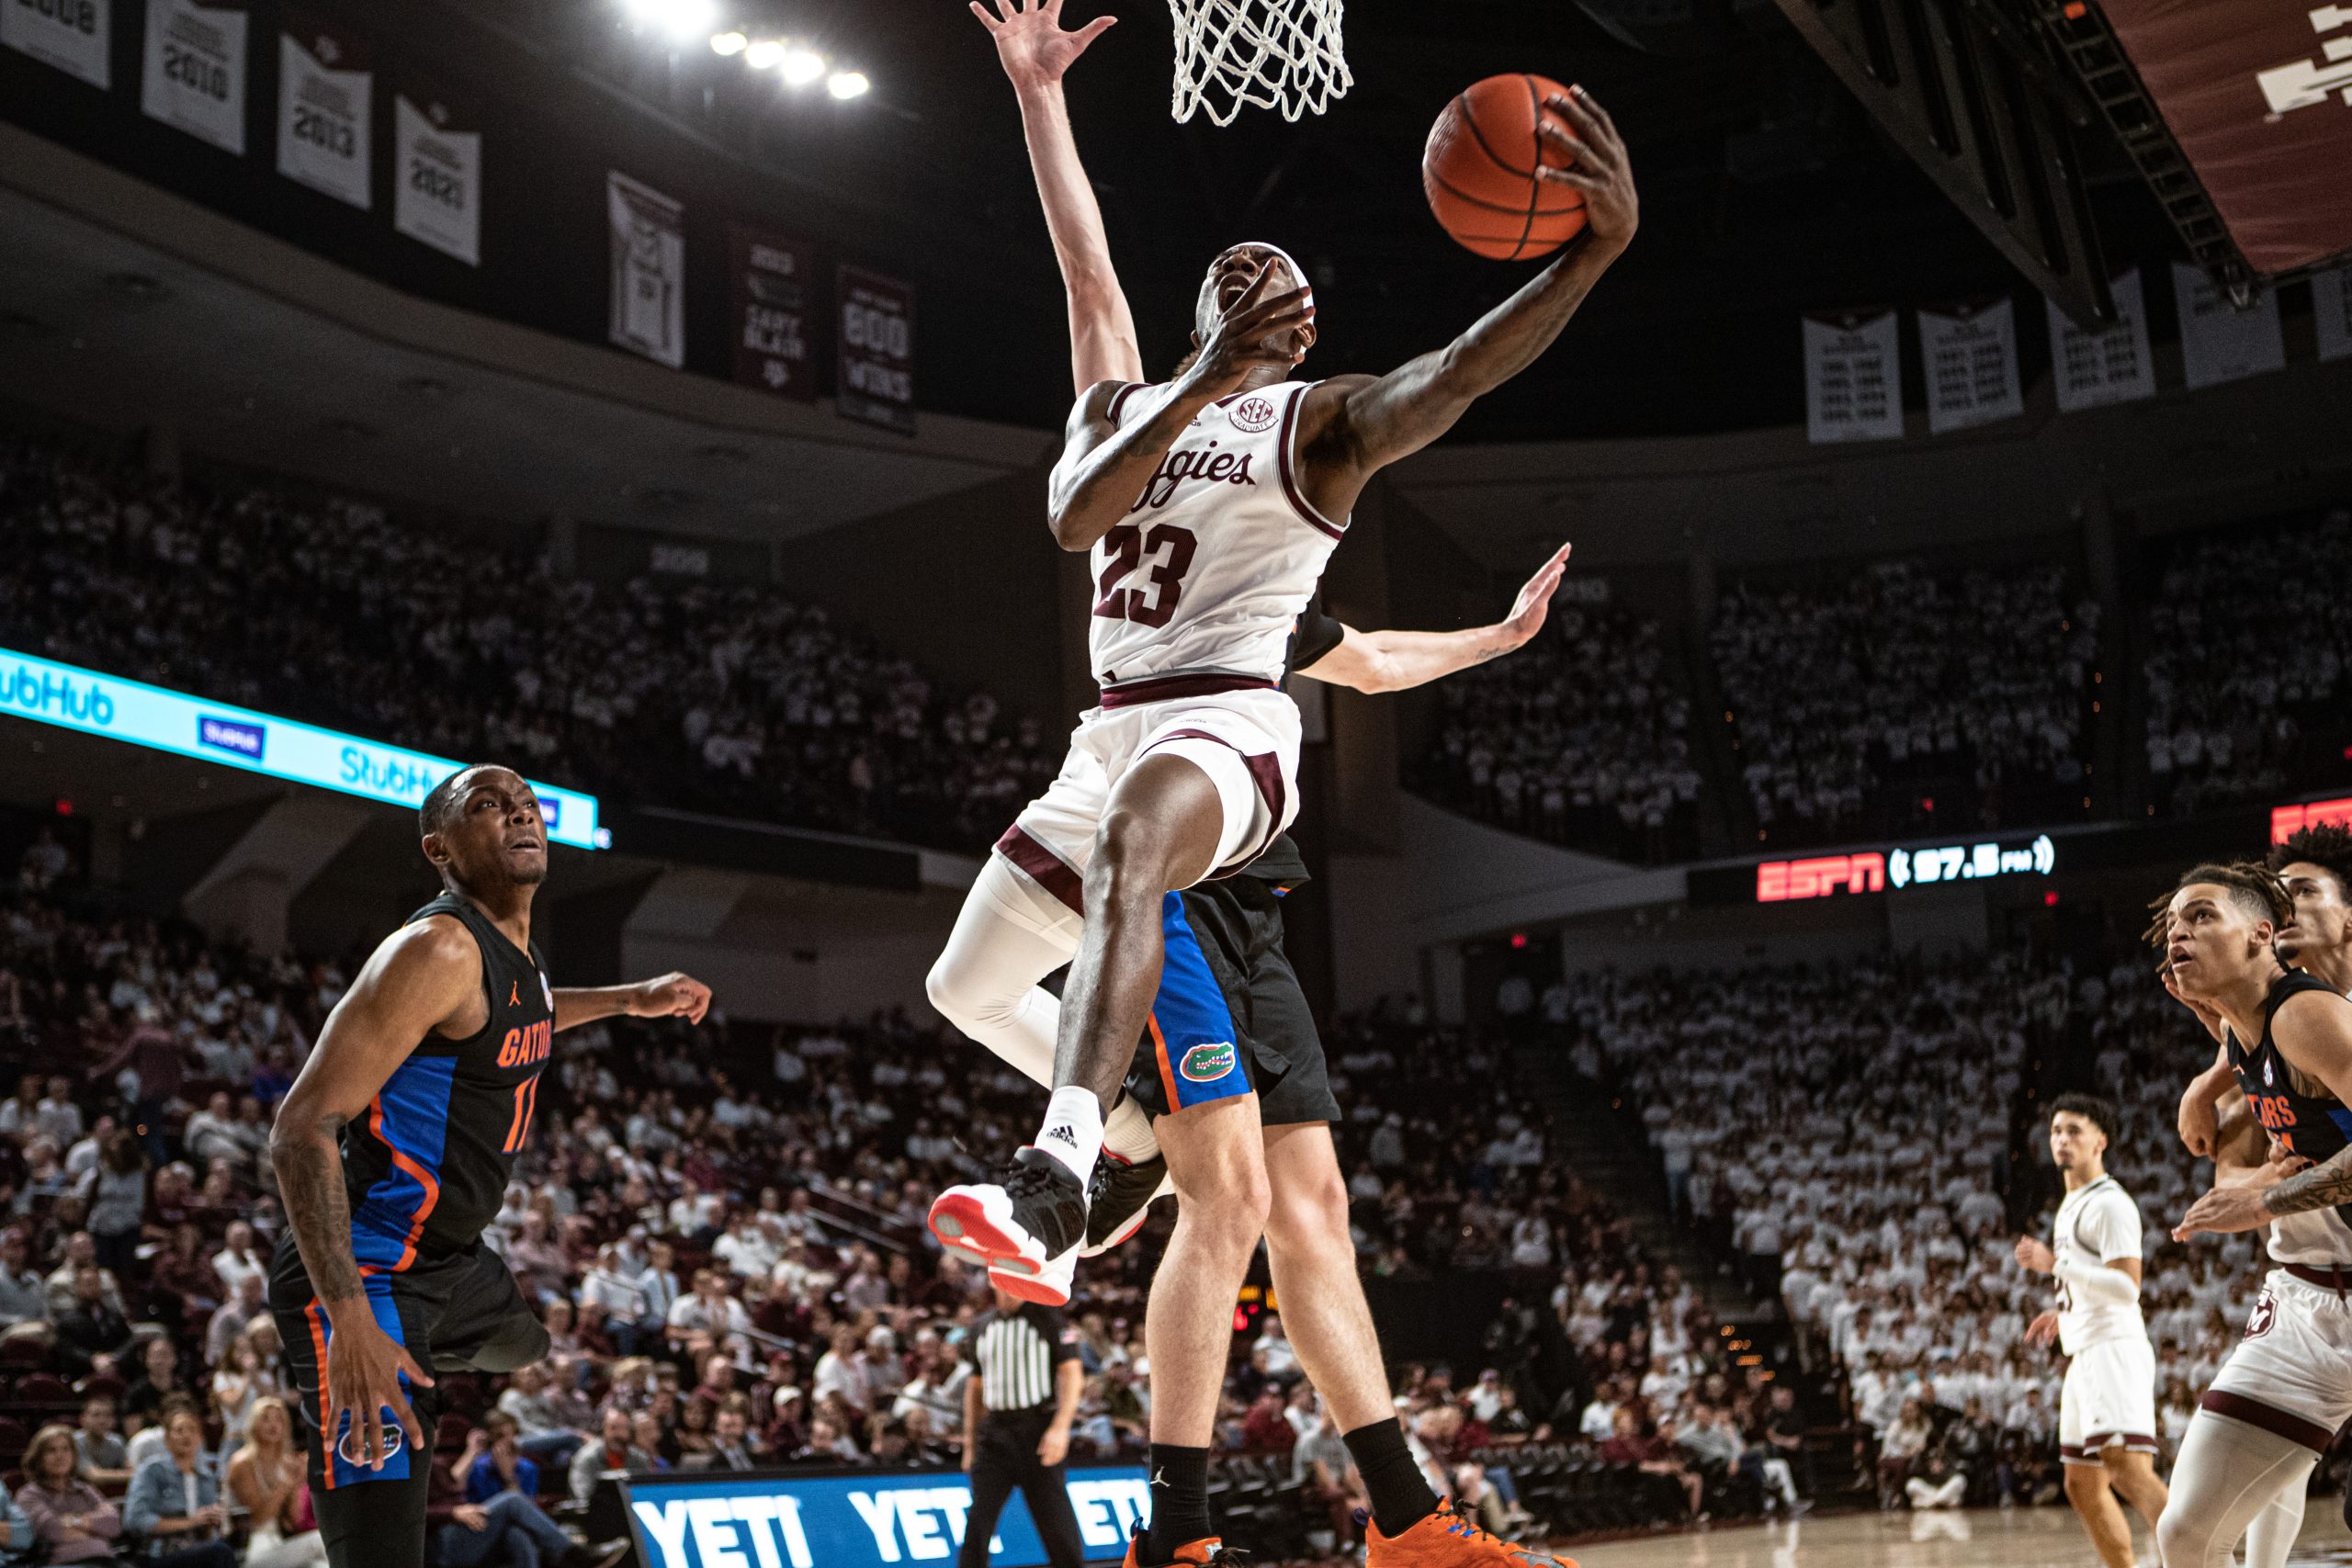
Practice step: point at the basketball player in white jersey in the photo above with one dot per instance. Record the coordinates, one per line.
(2107, 1411)
(2278, 1401)
(986, 984)
(1210, 504)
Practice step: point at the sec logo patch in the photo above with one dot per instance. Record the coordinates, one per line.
(1207, 1064)
(1253, 414)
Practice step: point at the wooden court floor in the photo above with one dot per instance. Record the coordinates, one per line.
(1991, 1538)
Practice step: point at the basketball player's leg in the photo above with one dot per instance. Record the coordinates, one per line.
(2229, 1474)
(2131, 1476)
(1218, 1162)
(2272, 1535)
(2095, 1503)
(1009, 934)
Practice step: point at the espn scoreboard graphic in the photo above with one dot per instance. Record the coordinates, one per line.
(1894, 868)
(73, 698)
(722, 1519)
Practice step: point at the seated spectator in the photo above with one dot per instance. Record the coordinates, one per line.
(501, 1516)
(1900, 1448)
(615, 1448)
(247, 1305)
(70, 1520)
(174, 1505)
(99, 1456)
(1266, 1430)
(731, 1443)
(266, 1478)
(541, 1434)
(92, 1326)
(1653, 1455)
(159, 1378)
(24, 1299)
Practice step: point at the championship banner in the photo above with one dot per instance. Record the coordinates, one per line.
(867, 1519)
(324, 90)
(195, 74)
(648, 287)
(2332, 313)
(437, 174)
(2096, 369)
(71, 35)
(1971, 352)
(2254, 91)
(1853, 376)
(769, 310)
(877, 350)
(2218, 341)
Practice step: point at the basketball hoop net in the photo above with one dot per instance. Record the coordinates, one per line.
(1278, 54)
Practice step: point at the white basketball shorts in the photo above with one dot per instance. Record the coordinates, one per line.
(2109, 1398)
(1242, 733)
(2292, 1372)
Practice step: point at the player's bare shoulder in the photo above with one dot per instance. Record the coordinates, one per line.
(434, 965)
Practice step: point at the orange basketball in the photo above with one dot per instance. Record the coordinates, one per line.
(1479, 170)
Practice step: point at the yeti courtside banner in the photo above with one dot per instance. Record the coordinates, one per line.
(73, 698)
(776, 1519)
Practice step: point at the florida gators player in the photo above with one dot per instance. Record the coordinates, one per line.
(393, 1151)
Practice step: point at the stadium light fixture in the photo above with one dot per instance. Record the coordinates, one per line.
(847, 83)
(728, 43)
(680, 19)
(762, 55)
(802, 66)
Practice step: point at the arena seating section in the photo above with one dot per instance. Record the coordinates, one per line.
(1878, 699)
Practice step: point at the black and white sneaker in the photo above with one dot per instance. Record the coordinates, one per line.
(1017, 1228)
(1121, 1200)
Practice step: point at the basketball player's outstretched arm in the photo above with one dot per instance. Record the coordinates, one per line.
(1104, 466)
(2313, 1031)
(1368, 423)
(1034, 51)
(1398, 661)
(424, 977)
(674, 995)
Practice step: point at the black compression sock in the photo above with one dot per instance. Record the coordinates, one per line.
(1400, 1493)
(1180, 1501)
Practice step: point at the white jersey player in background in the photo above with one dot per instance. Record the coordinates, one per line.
(2107, 1411)
(1209, 504)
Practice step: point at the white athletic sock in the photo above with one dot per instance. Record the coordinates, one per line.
(1127, 1132)
(1073, 1131)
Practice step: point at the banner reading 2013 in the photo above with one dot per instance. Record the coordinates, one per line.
(324, 90)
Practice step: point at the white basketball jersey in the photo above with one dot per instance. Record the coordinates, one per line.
(1221, 551)
(2096, 1223)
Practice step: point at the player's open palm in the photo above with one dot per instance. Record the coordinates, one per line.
(364, 1369)
(1599, 168)
(1534, 601)
(1259, 329)
(1029, 42)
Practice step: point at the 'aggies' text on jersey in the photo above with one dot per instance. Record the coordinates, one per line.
(426, 1168)
(1221, 551)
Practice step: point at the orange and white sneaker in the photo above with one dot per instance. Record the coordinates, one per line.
(1448, 1539)
(1210, 1552)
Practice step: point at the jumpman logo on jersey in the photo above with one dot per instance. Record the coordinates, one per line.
(515, 993)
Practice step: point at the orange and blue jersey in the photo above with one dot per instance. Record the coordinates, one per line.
(426, 1169)
(1195, 1043)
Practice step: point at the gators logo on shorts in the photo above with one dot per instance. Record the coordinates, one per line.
(1207, 1064)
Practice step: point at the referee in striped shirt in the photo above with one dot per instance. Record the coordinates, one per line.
(1017, 1412)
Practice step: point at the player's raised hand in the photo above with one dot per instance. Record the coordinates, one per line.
(364, 1369)
(1600, 169)
(1031, 43)
(669, 996)
(2035, 1255)
(1534, 601)
(1260, 328)
(2043, 1330)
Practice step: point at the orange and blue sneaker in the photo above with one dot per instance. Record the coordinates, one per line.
(1209, 1552)
(1448, 1539)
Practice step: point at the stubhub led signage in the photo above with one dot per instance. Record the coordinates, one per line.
(721, 1520)
(74, 698)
